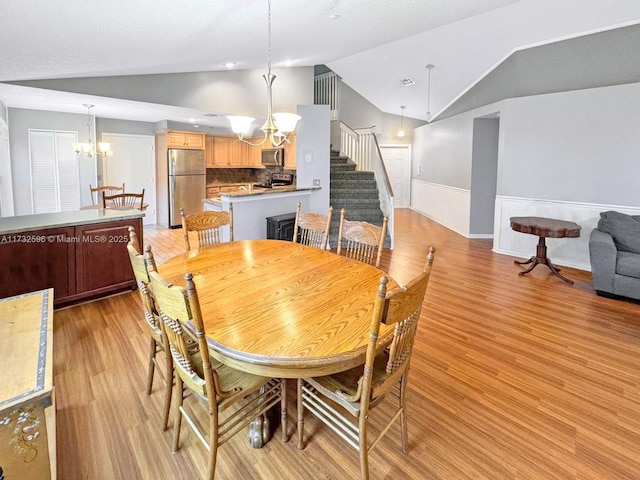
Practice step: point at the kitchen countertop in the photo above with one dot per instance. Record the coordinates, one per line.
(256, 192)
(39, 221)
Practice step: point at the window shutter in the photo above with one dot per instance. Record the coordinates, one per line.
(68, 172)
(43, 173)
(55, 182)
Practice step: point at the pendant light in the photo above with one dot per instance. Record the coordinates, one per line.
(87, 149)
(278, 125)
(429, 117)
(401, 132)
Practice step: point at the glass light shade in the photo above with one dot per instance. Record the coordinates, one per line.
(401, 133)
(82, 147)
(286, 122)
(103, 147)
(239, 124)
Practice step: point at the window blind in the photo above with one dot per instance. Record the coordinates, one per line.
(55, 178)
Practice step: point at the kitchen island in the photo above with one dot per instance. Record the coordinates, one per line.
(252, 207)
(80, 254)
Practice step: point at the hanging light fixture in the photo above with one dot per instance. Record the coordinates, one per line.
(401, 132)
(429, 117)
(87, 149)
(278, 125)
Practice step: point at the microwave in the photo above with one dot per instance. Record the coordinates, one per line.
(273, 156)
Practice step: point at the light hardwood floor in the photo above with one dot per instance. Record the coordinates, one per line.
(512, 378)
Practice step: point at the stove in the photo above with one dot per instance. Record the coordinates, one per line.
(277, 180)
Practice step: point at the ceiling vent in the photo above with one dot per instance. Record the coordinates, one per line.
(407, 82)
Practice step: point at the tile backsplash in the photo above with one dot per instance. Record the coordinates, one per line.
(220, 176)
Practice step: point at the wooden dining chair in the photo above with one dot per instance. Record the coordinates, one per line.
(208, 226)
(124, 200)
(98, 192)
(359, 390)
(361, 241)
(312, 228)
(141, 265)
(219, 385)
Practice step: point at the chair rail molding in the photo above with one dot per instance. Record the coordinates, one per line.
(570, 252)
(449, 206)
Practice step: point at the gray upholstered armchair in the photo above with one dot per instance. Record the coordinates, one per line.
(614, 247)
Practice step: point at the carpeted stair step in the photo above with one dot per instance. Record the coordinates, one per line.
(340, 167)
(351, 175)
(353, 184)
(358, 204)
(371, 193)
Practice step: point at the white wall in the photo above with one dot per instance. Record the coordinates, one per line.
(312, 153)
(566, 155)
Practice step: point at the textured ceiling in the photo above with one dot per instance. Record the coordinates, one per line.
(372, 44)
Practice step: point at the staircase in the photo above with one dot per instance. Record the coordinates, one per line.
(355, 191)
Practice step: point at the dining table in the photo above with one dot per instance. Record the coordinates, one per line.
(281, 309)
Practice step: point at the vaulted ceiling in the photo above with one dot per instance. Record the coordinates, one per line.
(371, 44)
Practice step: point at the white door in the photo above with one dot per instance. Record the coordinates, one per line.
(397, 161)
(132, 162)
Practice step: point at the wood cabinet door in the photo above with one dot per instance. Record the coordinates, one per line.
(37, 260)
(191, 140)
(221, 151)
(194, 140)
(102, 260)
(290, 153)
(239, 154)
(175, 139)
(208, 151)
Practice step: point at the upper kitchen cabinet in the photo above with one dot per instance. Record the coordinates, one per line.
(221, 151)
(192, 140)
(290, 153)
(209, 148)
(228, 152)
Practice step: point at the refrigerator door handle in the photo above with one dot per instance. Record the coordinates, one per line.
(172, 191)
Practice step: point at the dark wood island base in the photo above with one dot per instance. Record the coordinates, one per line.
(81, 255)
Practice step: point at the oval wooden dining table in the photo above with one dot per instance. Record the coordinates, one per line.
(281, 309)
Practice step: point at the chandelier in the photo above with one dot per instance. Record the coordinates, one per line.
(87, 149)
(278, 125)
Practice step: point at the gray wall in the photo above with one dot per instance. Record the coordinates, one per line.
(576, 147)
(127, 127)
(357, 112)
(20, 121)
(442, 151)
(580, 146)
(484, 170)
(240, 92)
(601, 59)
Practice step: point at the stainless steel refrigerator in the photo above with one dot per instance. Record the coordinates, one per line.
(187, 183)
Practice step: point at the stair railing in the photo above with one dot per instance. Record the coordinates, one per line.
(361, 146)
(326, 92)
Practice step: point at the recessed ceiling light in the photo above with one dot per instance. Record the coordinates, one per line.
(230, 64)
(334, 16)
(407, 82)
(287, 63)
(192, 120)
